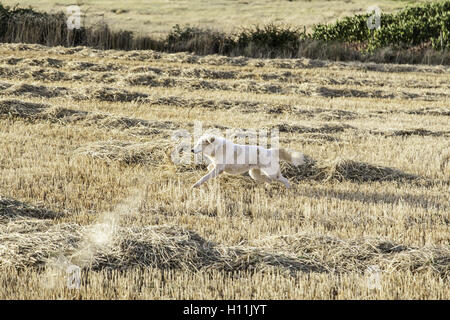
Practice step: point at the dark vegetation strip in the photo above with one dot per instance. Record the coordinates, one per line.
(417, 34)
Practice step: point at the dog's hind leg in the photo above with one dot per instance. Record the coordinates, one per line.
(284, 180)
(277, 176)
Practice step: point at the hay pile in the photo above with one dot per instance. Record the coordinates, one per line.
(332, 115)
(148, 153)
(142, 79)
(114, 95)
(43, 62)
(83, 66)
(99, 93)
(285, 127)
(412, 132)
(50, 75)
(243, 106)
(11, 209)
(318, 138)
(29, 237)
(106, 120)
(30, 90)
(204, 73)
(144, 69)
(31, 242)
(429, 111)
(34, 111)
(330, 92)
(35, 243)
(4, 85)
(357, 255)
(20, 109)
(169, 247)
(343, 170)
(336, 93)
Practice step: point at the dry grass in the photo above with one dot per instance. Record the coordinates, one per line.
(87, 178)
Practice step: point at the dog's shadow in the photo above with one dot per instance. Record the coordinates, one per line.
(376, 197)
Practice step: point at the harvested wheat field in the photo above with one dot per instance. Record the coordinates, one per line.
(87, 178)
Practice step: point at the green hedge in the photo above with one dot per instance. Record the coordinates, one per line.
(411, 26)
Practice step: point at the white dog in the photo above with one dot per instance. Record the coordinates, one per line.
(226, 156)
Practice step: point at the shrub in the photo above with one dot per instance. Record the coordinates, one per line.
(271, 40)
(202, 41)
(412, 26)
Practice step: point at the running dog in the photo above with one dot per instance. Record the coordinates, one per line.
(226, 156)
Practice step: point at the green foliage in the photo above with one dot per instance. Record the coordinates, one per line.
(4, 13)
(271, 37)
(203, 41)
(412, 26)
(27, 25)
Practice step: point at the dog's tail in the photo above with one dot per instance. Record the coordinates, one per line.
(294, 157)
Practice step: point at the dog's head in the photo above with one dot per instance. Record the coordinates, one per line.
(206, 144)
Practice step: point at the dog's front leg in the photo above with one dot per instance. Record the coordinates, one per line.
(212, 174)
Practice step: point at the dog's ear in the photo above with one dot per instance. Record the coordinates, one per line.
(211, 139)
